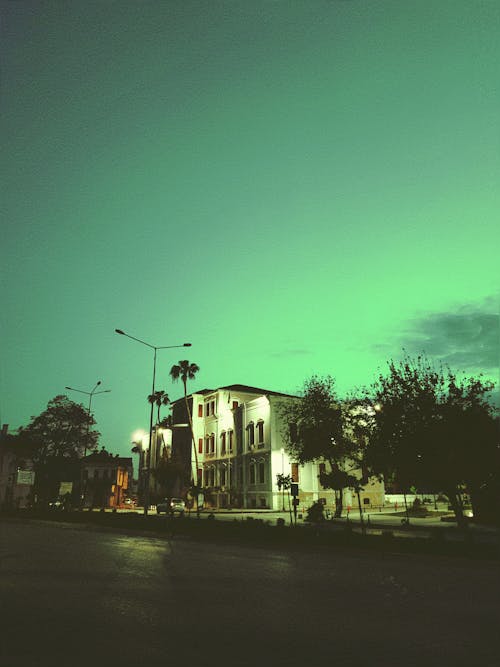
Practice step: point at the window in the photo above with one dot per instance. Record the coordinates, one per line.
(230, 437)
(205, 477)
(223, 477)
(250, 434)
(207, 444)
(199, 475)
(235, 405)
(212, 443)
(261, 473)
(200, 445)
(207, 409)
(295, 472)
(212, 477)
(200, 410)
(252, 473)
(212, 408)
(263, 502)
(260, 433)
(223, 443)
(366, 501)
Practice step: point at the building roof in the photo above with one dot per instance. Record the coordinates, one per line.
(255, 390)
(104, 457)
(239, 387)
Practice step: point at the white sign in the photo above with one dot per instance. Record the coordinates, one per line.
(26, 477)
(65, 487)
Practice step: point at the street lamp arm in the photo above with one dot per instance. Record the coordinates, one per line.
(104, 391)
(153, 347)
(166, 347)
(122, 333)
(80, 390)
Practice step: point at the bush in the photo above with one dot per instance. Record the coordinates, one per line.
(315, 513)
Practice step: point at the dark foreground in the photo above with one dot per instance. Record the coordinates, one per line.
(76, 595)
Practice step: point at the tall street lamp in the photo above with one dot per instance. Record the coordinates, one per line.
(155, 348)
(89, 394)
(83, 491)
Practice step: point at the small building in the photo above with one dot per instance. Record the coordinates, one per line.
(16, 472)
(105, 479)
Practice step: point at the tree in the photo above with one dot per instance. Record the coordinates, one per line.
(186, 371)
(319, 427)
(285, 482)
(159, 398)
(169, 474)
(434, 431)
(58, 437)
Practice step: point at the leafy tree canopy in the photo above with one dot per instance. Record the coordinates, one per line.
(63, 430)
(320, 425)
(433, 429)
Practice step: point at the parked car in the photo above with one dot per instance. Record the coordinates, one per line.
(56, 504)
(171, 506)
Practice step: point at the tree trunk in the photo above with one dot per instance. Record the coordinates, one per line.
(361, 520)
(457, 507)
(195, 476)
(406, 509)
(485, 504)
(338, 503)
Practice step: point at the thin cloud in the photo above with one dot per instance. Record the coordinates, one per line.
(467, 339)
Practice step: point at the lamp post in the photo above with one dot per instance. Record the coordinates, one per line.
(89, 394)
(155, 348)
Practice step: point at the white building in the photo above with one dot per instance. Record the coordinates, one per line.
(240, 450)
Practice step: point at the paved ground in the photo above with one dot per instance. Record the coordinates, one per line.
(74, 595)
(374, 521)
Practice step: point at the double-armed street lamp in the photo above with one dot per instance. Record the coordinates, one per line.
(89, 394)
(155, 348)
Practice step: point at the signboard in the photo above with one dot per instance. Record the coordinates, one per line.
(294, 489)
(25, 477)
(65, 487)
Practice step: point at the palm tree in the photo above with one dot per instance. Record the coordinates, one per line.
(159, 398)
(186, 371)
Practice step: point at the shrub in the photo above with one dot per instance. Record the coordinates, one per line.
(315, 513)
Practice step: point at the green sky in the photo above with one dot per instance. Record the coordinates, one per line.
(295, 187)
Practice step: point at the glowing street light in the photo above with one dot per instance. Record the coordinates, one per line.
(155, 348)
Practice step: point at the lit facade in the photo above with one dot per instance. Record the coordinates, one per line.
(240, 451)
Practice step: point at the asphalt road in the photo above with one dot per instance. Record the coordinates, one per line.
(74, 595)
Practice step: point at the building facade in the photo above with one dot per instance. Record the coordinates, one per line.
(105, 479)
(16, 472)
(239, 451)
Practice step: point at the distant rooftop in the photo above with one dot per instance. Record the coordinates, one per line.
(103, 456)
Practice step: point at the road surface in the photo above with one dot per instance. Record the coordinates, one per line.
(75, 595)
